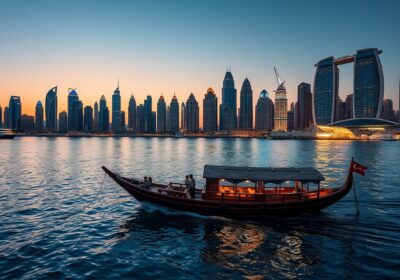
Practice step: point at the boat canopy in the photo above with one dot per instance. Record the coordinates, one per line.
(266, 174)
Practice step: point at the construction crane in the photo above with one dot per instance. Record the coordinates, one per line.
(278, 78)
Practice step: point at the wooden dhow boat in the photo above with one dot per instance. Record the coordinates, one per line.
(245, 192)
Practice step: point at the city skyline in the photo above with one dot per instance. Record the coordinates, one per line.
(93, 62)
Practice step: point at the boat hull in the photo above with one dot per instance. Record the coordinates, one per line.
(10, 136)
(232, 209)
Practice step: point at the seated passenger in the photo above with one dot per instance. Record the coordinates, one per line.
(146, 183)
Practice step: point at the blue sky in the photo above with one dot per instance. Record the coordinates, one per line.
(185, 46)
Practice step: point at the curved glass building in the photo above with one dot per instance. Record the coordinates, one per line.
(368, 84)
(325, 91)
(51, 109)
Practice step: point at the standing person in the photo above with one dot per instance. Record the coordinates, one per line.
(187, 183)
(192, 186)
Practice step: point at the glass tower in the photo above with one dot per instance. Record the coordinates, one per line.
(51, 109)
(368, 84)
(325, 91)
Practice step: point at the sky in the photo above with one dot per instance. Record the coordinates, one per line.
(161, 47)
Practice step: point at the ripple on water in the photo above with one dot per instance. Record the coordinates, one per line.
(54, 223)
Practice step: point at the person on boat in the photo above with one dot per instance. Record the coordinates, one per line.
(192, 186)
(146, 183)
(187, 182)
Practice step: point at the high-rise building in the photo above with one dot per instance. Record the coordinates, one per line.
(174, 115)
(27, 122)
(246, 106)
(264, 112)
(348, 107)
(72, 98)
(63, 122)
(51, 109)
(228, 108)
(15, 109)
(88, 119)
(116, 110)
(161, 115)
(192, 114)
(39, 116)
(104, 115)
(368, 84)
(280, 107)
(96, 117)
(140, 119)
(326, 84)
(1, 117)
(77, 113)
(132, 113)
(148, 115)
(339, 114)
(388, 111)
(6, 123)
(183, 116)
(304, 116)
(210, 111)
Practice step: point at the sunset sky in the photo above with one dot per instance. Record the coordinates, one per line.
(156, 47)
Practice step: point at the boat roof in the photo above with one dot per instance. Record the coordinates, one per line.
(268, 174)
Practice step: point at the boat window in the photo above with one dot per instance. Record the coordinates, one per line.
(225, 183)
(246, 183)
(270, 185)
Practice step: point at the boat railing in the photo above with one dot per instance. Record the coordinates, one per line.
(259, 197)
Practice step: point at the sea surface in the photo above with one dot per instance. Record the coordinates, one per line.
(59, 220)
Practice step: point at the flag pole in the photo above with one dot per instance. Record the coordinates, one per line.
(355, 197)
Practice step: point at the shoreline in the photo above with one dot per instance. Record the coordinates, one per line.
(192, 137)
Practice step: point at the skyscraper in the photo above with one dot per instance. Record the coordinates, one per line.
(148, 115)
(39, 116)
(280, 114)
(132, 113)
(192, 114)
(6, 117)
(264, 112)
(88, 119)
(388, 111)
(174, 115)
(140, 119)
(63, 122)
(161, 115)
(348, 107)
(228, 108)
(303, 114)
(77, 113)
(15, 109)
(1, 117)
(210, 111)
(246, 106)
(96, 117)
(72, 98)
(51, 109)
(116, 109)
(368, 84)
(104, 115)
(325, 91)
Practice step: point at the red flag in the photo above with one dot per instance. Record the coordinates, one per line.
(357, 168)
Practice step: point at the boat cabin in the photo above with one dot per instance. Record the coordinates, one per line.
(232, 183)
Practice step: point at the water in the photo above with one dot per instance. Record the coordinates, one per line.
(44, 181)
